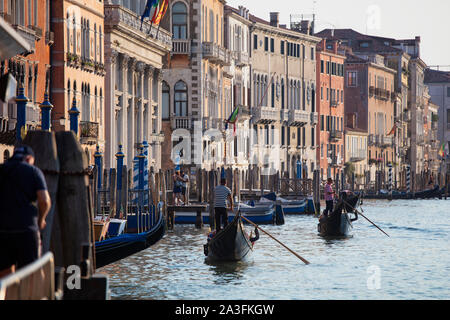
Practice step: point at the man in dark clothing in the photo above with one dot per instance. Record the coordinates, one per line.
(21, 186)
(221, 194)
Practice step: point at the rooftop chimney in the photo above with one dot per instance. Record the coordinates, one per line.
(275, 19)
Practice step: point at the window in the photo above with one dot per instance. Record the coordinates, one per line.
(313, 136)
(273, 94)
(312, 53)
(266, 44)
(282, 47)
(181, 99)
(352, 78)
(322, 124)
(328, 67)
(165, 100)
(255, 42)
(448, 92)
(322, 66)
(321, 93)
(272, 45)
(179, 21)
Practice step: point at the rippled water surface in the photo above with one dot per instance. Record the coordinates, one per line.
(413, 263)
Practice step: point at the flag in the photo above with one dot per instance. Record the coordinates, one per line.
(393, 130)
(232, 119)
(163, 8)
(443, 151)
(148, 7)
(155, 10)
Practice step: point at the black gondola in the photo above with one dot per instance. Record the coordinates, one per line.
(339, 223)
(436, 192)
(231, 243)
(116, 248)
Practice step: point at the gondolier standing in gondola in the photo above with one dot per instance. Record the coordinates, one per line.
(329, 197)
(221, 194)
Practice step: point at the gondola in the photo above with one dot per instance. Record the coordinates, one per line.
(231, 243)
(436, 192)
(115, 248)
(339, 223)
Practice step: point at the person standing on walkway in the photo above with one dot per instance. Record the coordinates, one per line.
(24, 205)
(221, 194)
(184, 187)
(329, 197)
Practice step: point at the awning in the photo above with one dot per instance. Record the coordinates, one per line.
(11, 42)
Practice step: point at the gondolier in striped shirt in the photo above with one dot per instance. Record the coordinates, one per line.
(221, 194)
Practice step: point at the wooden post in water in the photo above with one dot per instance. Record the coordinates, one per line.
(211, 186)
(112, 192)
(76, 220)
(43, 144)
(125, 185)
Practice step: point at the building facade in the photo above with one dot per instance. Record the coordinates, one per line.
(438, 83)
(284, 113)
(134, 54)
(31, 19)
(330, 105)
(196, 90)
(78, 72)
(356, 155)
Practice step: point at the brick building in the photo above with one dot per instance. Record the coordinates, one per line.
(31, 19)
(330, 105)
(78, 71)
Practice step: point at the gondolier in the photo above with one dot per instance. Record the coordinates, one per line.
(329, 197)
(221, 194)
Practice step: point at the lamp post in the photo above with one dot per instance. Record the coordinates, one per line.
(46, 109)
(21, 101)
(74, 113)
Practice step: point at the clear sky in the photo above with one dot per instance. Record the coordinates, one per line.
(400, 19)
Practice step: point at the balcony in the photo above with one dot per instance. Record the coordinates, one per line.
(265, 115)
(73, 60)
(181, 46)
(358, 155)
(382, 94)
(314, 118)
(336, 135)
(407, 115)
(181, 123)
(49, 38)
(284, 115)
(125, 20)
(242, 58)
(89, 132)
(371, 140)
(371, 91)
(298, 118)
(386, 141)
(216, 54)
(393, 96)
(334, 103)
(244, 114)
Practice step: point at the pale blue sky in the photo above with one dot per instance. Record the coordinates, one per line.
(400, 19)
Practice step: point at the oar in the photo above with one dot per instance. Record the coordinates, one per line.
(366, 218)
(291, 251)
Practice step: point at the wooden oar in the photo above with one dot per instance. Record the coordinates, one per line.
(366, 218)
(291, 251)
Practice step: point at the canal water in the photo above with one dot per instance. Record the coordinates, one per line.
(413, 263)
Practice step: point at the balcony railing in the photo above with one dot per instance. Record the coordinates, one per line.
(89, 132)
(241, 58)
(336, 135)
(386, 141)
(216, 53)
(284, 115)
(265, 115)
(371, 140)
(181, 123)
(314, 118)
(117, 15)
(334, 103)
(298, 118)
(181, 46)
(358, 155)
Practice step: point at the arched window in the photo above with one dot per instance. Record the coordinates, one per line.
(181, 99)
(282, 93)
(165, 100)
(179, 20)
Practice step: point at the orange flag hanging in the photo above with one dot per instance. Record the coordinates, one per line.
(162, 11)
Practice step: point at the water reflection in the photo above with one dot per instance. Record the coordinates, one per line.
(413, 261)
